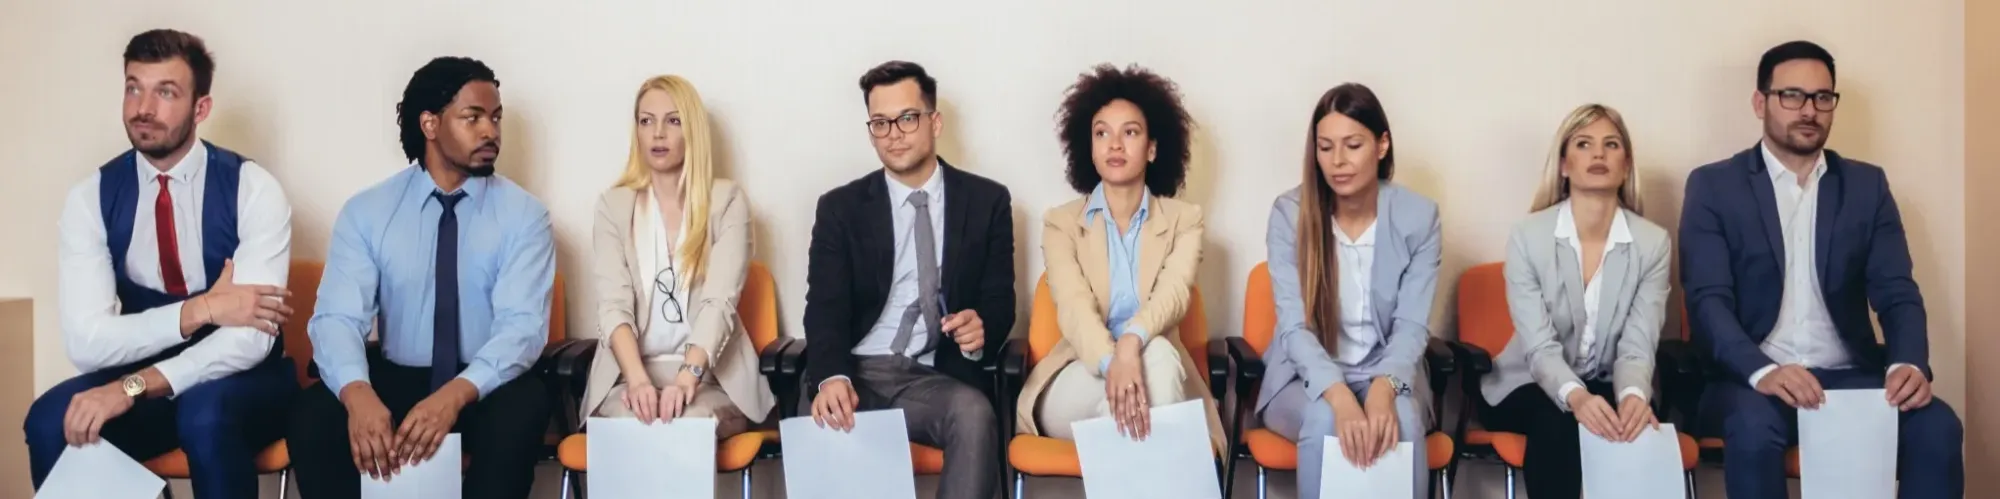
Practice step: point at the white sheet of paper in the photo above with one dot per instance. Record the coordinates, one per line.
(633, 459)
(1175, 460)
(99, 471)
(1648, 467)
(870, 462)
(1393, 475)
(436, 478)
(1847, 447)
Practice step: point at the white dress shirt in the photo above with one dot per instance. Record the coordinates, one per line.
(1358, 332)
(664, 340)
(1804, 333)
(1620, 234)
(95, 333)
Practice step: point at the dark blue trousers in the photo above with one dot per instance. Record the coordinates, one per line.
(221, 425)
(1757, 429)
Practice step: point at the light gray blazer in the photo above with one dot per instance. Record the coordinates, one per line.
(1545, 297)
(1403, 285)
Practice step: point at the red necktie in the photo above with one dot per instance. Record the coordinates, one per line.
(170, 250)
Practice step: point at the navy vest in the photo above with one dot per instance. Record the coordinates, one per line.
(118, 198)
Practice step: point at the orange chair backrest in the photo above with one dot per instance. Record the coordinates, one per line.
(558, 313)
(1482, 308)
(304, 284)
(1044, 330)
(757, 306)
(1260, 309)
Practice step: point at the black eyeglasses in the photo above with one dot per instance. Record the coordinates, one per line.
(663, 283)
(879, 127)
(1793, 98)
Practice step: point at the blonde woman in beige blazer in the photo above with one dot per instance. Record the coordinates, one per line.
(672, 344)
(1121, 261)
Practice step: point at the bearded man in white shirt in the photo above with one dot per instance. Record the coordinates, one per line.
(173, 259)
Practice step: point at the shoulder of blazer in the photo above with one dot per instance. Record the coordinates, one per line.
(1410, 213)
(1855, 169)
(1541, 225)
(1180, 211)
(722, 193)
(851, 193)
(978, 189)
(1648, 235)
(1068, 215)
(617, 201)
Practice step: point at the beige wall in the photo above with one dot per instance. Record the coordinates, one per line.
(16, 363)
(1473, 89)
(1982, 244)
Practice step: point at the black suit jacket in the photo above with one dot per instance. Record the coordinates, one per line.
(1733, 263)
(853, 256)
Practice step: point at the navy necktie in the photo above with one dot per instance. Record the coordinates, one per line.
(444, 325)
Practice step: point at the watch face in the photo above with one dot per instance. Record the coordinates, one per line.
(134, 385)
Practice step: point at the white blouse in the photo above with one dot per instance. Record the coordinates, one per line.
(1358, 332)
(666, 335)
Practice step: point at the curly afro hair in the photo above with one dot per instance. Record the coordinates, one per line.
(1167, 122)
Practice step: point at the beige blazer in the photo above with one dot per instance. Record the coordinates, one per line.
(711, 309)
(1076, 254)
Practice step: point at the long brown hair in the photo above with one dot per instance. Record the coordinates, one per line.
(1319, 274)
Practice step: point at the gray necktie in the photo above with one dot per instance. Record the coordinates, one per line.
(926, 307)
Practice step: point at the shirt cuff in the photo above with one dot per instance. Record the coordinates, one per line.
(1892, 368)
(974, 355)
(1759, 375)
(1562, 394)
(166, 319)
(1632, 391)
(338, 376)
(1130, 330)
(822, 383)
(1104, 365)
(179, 374)
(486, 380)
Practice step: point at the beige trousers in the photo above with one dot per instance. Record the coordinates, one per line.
(709, 401)
(1076, 394)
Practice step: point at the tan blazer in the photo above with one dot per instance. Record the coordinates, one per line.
(1075, 251)
(711, 311)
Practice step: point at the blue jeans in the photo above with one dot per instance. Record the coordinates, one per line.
(221, 425)
(1757, 429)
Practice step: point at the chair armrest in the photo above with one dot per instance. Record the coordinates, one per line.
(771, 361)
(1441, 357)
(1014, 358)
(568, 363)
(1682, 375)
(1677, 358)
(1238, 352)
(1472, 359)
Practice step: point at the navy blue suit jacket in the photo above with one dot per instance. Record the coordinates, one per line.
(1733, 263)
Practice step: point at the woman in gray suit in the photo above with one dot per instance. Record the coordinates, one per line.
(1353, 262)
(1587, 287)
(672, 249)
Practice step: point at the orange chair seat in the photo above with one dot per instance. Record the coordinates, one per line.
(1513, 447)
(1274, 451)
(1044, 456)
(174, 464)
(926, 460)
(731, 454)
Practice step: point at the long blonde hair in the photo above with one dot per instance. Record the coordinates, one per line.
(1555, 187)
(697, 170)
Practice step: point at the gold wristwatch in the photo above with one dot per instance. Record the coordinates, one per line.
(134, 385)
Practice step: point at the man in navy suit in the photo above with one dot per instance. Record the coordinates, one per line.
(1783, 249)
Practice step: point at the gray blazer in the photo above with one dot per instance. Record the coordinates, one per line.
(1404, 284)
(1545, 298)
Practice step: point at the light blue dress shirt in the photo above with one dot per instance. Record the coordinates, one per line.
(1123, 255)
(381, 262)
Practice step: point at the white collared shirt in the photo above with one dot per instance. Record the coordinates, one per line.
(1804, 333)
(95, 333)
(903, 289)
(1358, 331)
(1621, 233)
(664, 340)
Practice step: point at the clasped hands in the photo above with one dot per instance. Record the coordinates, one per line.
(1624, 424)
(381, 449)
(1366, 430)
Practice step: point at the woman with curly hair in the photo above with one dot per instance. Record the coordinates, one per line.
(1121, 260)
(1353, 261)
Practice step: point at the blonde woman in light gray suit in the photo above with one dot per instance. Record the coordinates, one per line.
(1587, 287)
(672, 249)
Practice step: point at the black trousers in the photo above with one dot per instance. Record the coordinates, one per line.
(1553, 464)
(501, 434)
